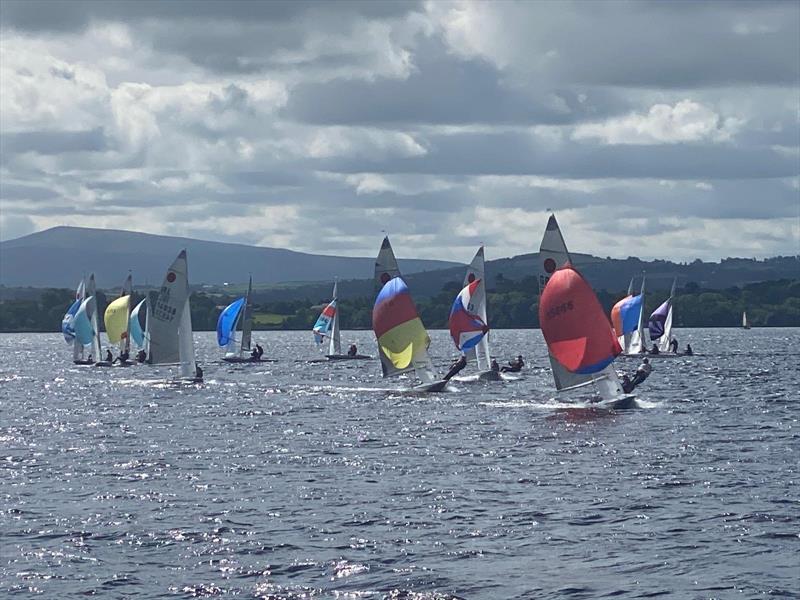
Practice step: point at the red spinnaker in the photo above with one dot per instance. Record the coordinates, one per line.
(574, 324)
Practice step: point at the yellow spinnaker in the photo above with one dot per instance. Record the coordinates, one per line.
(400, 344)
(116, 319)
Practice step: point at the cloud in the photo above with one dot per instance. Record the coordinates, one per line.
(686, 121)
(445, 123)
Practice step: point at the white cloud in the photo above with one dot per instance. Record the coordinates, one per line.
(363, 142)
(686, 121)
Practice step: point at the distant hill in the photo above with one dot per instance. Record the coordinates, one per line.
(612, 275)
(58, 257)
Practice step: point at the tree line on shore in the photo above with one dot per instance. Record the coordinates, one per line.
(512, 304)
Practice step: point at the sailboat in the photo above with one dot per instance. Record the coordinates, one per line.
(659, 325)
(240, 311)
(326, 328)
(85, 324)
(402, 339)
(138, 328)
(468, 321)
(745, 323)
(170, 323)
(68, 326)
(117, 321)
(580, 342)
(627, 318)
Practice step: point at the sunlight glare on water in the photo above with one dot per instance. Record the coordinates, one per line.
(322, 480)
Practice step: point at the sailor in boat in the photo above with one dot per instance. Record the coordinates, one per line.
(514, 365)
(457, 366)
(109, 356)
(122, 358)
(642, 373)
(141, 356)
(673, 346)
(352, 350)
(198, 372)
(688, 351)
(654, 349)
(494, 366)
(627, 386)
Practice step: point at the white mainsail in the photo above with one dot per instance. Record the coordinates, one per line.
(247, 319)
(476, 270)
(666, 337)
(92, 312)
(637, 342)
(166, 310)
(334, 341)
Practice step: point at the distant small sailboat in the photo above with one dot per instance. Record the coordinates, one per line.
(240, 311)
(745, 322)
(117, 322)
(85, 324)
(402, 339)
(468, 320)
(580, 342)
(627, 318)
(138, 326)
(659, 325)
(68, 326)
(170, 323)
(326, 328)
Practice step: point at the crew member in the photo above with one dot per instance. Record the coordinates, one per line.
(456, 367)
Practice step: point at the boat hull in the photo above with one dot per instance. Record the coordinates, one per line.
(241, 360)
(347, 357)
(623, 403)
(83, 362)
(103, 363)
(436, 386)
(490, 376)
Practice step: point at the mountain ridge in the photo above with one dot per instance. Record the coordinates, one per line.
(58, 256)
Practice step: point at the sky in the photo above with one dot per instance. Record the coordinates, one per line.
(653, 129)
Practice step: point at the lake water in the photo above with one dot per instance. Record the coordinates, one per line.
(295, 480)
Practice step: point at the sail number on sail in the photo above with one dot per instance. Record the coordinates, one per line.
(560, 309)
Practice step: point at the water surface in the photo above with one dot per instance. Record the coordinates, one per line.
(296, 480)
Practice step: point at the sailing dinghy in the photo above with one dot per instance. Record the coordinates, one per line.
(580, 342)
(85, 324)
(326, 329)
(170, 323)
(468, 321)
(138, 327)
(659, 325)
(402, 339)
(68, 326)
(240, 311)
(117, 321)
(627, 318)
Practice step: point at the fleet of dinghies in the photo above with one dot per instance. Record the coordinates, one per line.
(582, 342)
